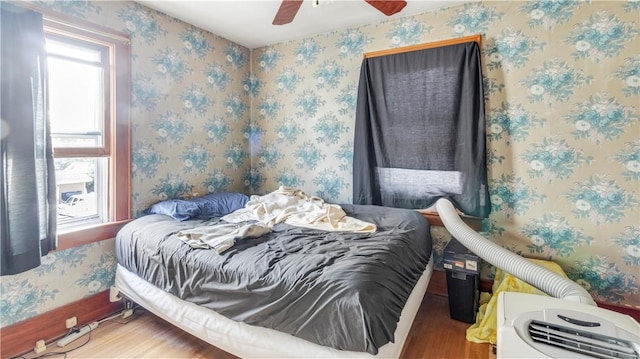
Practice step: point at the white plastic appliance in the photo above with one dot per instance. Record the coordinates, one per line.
(535, 326)
(566, 325)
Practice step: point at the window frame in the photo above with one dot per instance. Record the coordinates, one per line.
(106, 50)
(117, 131)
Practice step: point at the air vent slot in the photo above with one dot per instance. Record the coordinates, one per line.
(582, 342)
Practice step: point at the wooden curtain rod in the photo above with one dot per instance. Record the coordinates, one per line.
(429, 45)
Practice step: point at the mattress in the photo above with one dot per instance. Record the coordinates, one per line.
(248, 341)
(340, 290)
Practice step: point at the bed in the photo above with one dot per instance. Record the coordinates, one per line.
(292, 292)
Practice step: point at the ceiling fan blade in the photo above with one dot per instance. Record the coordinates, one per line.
(287, 11)
(387, 7)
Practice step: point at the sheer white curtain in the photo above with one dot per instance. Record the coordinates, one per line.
(28, 196)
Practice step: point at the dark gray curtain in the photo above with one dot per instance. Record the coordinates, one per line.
(28, 202)
(420, 130)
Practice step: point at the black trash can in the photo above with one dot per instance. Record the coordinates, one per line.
(462, 268)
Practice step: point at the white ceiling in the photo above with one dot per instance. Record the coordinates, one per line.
(248, 23)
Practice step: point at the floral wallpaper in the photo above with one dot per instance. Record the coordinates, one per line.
(190, 112)
(59, 280)
(562, 94)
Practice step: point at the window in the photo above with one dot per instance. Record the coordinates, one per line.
(89, 98)
(420, 128)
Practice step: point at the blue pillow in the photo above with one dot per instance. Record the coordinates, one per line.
(205, 207)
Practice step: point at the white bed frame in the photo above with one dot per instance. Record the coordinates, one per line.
(248, 341)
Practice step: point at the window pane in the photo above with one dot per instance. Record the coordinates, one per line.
(80, 191)
(69, 50)
(76, 103)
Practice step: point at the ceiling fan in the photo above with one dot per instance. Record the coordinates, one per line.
(289, 8)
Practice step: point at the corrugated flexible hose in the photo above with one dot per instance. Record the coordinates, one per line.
(547, 281)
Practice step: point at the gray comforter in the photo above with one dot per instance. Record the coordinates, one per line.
(342, 290)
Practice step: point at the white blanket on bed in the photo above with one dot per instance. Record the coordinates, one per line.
(293, 206)
(221, 237)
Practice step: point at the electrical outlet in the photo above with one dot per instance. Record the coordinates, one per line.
(71, 322)
(114, 294)
(40, 346)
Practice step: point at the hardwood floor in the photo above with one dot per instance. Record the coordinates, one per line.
(143, 335)
(433, 335)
